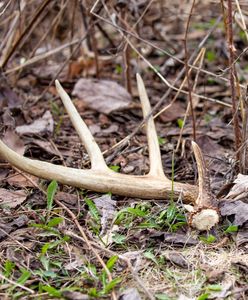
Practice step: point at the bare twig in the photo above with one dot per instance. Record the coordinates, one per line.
(232, 79)
(188, 74)
(25, 31)
(201, 58)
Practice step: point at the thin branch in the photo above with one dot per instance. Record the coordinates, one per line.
(187, 72)
(25, 31)
(232, 78)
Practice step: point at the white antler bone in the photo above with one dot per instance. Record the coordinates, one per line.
(154, 185)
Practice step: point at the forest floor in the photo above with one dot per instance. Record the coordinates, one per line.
(61, 242)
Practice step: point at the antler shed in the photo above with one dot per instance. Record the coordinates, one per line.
(154, 185)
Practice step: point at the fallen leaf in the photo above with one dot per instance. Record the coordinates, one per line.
(177, 259)
(11, 199)
(14, 142)
(242, 237)
(45, 145)
(215, 275)
(113, 128)
(9, 97)
(237, 208)
(6, 228)
(77, 260)
(107, 208)
(8, 119)
(75, 295)
(3, 174)
(130, 294)
(209, 146)
(39, 126)
(105, 96)
(70, 199)
(176, 239)
(19, 180)
(240, 189)
(175, 111)
(179, 239)
(94, 129)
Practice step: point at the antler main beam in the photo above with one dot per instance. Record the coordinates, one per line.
(154, 185)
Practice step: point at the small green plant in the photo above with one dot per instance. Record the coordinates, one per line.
(119, 238)
(208, 290)
(207, 118)
(204, 296)
(180, 123)
(210, 56)
(25, 274)
(209, 239)
(150, 255)
(58, 114)
(51, 191)
(118, 69)
(53, 292)
(9, 266)
(161, 141)
(95, 222)
(101, 279)
(232, 228)
(162, 297)
(115, 168)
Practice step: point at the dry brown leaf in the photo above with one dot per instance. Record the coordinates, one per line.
(179, 239)
(237, 208)
(240, 189)
(6, 228)
(177, 259)
(70, 199)
(39, 126)
(14, 142)
(11, 199)
(9, 97)
(107, 208)
(70, 295)
(173, 113)
(130, 294)
(105, 96)
(242, 237)
(45, 145)
(19, 180)
(176, 239)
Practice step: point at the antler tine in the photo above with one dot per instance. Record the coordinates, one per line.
(156, 167)
(95, 154)
(205, 213)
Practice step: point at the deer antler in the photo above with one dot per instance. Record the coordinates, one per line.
(101, 179)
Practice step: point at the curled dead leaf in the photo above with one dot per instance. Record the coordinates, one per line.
(105, 96)
(41, 125)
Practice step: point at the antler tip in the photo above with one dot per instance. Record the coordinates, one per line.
(57, 84)
(138, 76)
(193, 144)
